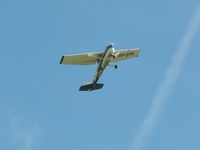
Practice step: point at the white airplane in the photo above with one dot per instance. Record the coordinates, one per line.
(102, 59)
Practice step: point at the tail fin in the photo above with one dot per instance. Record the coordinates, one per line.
(90, 87)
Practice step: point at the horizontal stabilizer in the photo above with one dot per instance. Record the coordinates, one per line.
(90, 87)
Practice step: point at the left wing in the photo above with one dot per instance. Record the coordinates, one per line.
(81, 59)
(125, 54)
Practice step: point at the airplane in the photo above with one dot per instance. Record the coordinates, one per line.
(102, 59)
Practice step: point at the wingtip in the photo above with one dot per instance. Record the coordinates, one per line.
(61, 59)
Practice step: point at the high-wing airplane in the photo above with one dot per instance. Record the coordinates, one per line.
(102, 59)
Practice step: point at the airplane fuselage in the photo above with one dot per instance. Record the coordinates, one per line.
(102, 59)
(103, 62)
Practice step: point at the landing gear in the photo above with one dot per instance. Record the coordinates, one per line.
(115, 66)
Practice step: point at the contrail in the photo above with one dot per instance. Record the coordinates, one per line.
(167, 85)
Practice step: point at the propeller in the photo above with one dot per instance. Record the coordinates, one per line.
(110, 43)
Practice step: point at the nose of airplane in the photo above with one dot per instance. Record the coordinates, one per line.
(110, 46)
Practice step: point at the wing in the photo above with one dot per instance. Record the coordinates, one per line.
(80, 59)
(125, 54)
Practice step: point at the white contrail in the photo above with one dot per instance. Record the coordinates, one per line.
(25, 137)
(166, 86)
(21, 137)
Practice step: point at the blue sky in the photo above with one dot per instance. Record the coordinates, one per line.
(40, 105)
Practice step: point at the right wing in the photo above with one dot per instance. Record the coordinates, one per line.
(125, 54)
(81, 59)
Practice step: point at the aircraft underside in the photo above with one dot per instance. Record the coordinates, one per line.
(102, 59)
